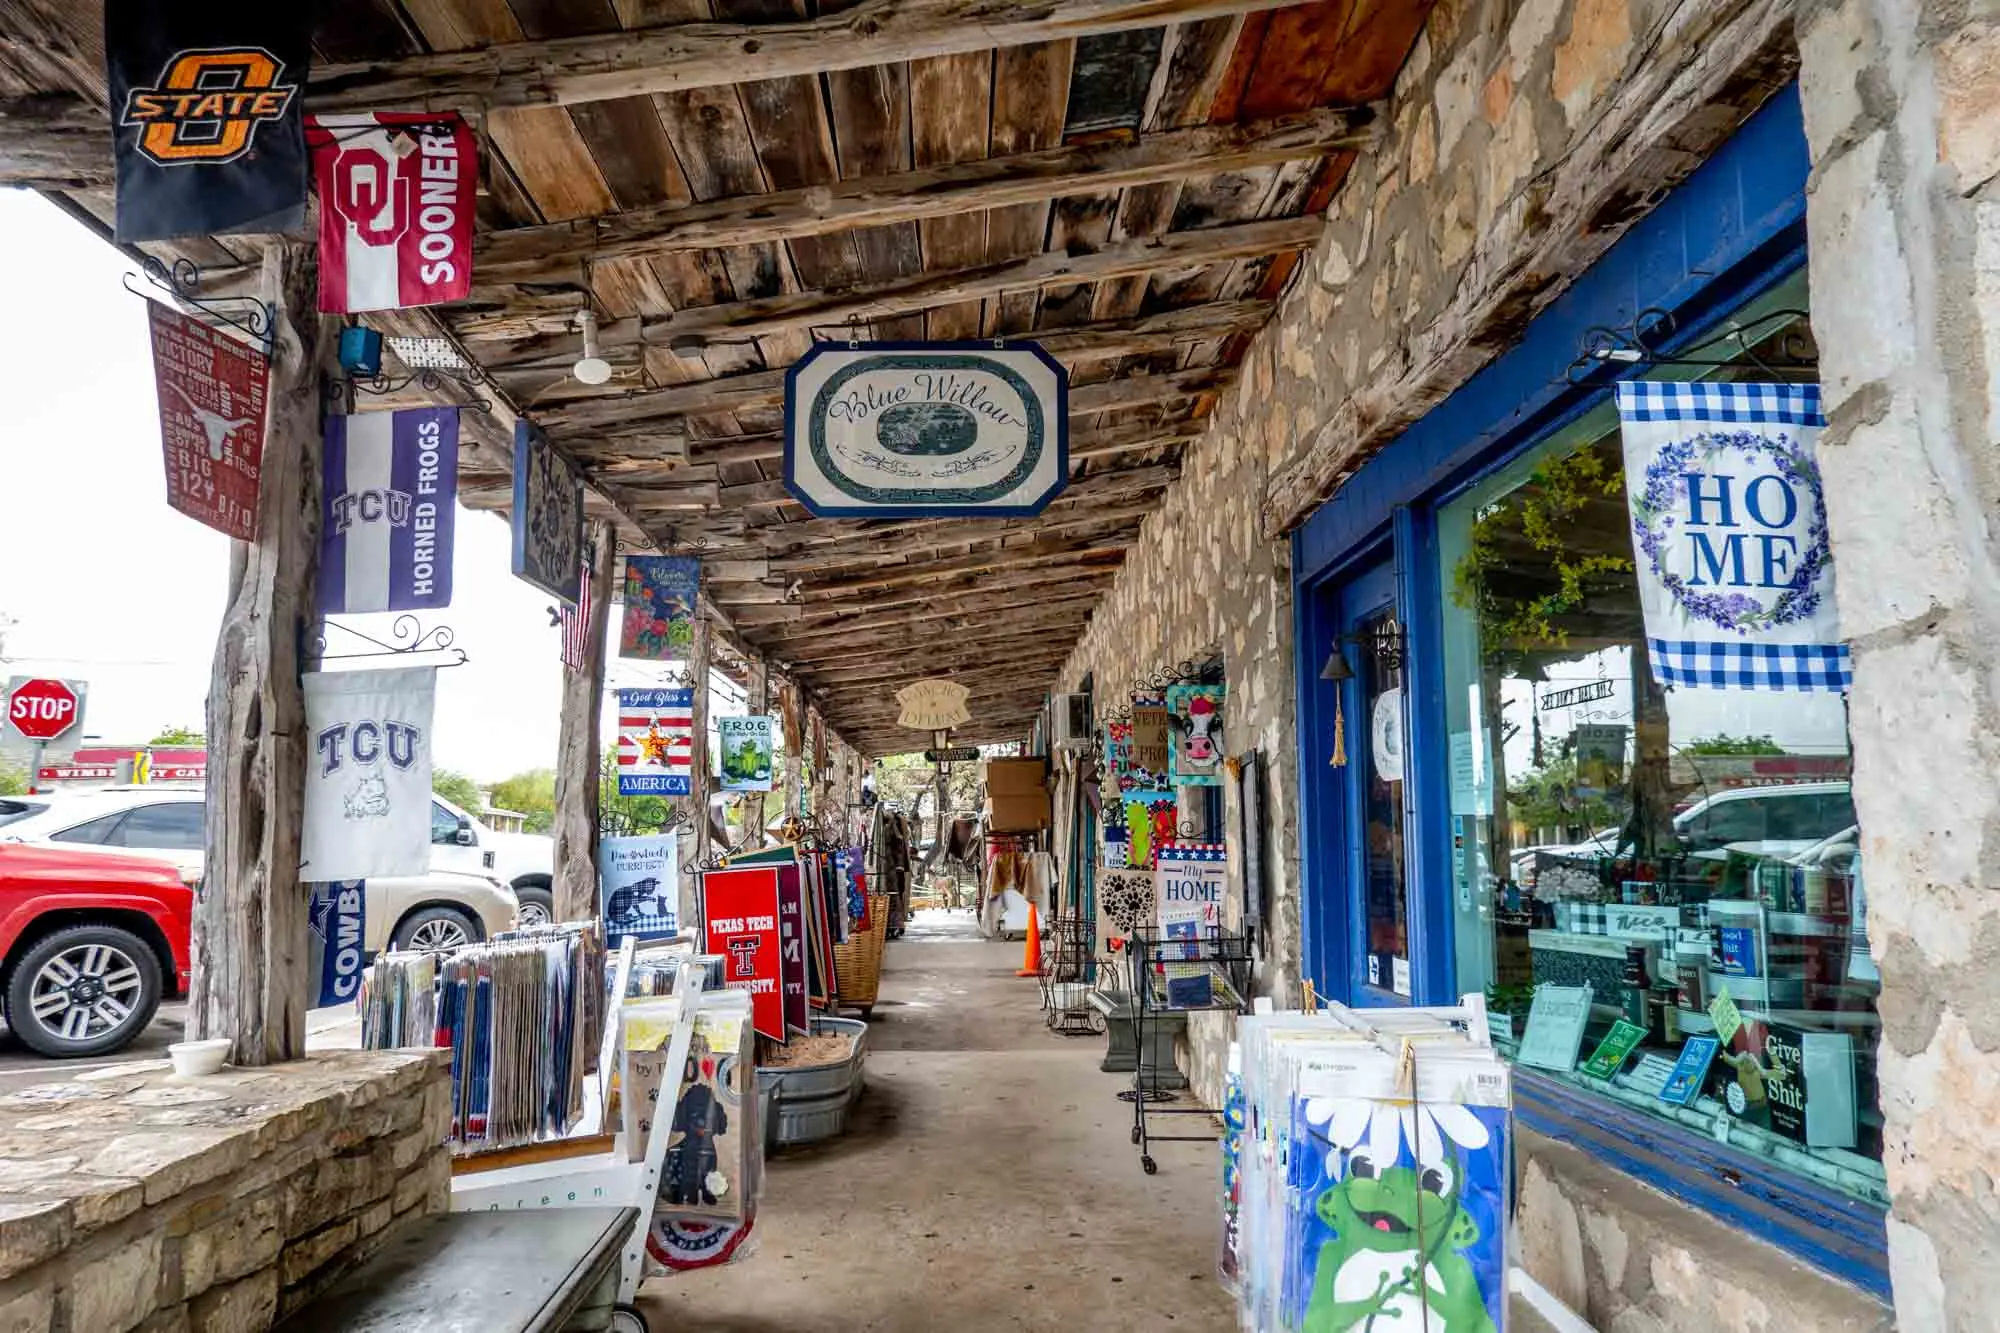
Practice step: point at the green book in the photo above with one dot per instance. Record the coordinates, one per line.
(1616, 1048)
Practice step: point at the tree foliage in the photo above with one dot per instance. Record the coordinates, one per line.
(189, 736)
(533, 794)
(1726, 744)
(457, 788)
(13, 782)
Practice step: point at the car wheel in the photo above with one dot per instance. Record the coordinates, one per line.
(83, 990)
(538, 906)
(436, 930)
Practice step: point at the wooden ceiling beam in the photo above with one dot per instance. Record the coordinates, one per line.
(990, 585)
(918, 571)
(559, 252)
(742, 322)
(1126, 438)
(56, 141)
(682, 56)
(897, 647)
(1026, 610)
(887, 662)
(874, 549)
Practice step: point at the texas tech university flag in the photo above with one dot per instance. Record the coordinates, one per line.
(395, 209)
(205, 115)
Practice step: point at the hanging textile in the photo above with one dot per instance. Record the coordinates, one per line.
(368, 778)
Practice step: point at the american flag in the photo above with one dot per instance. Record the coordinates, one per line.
(655, 742)
(576, 625)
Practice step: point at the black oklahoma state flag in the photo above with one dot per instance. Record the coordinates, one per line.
(207, 114)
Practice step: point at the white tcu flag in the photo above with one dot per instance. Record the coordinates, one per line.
(368, 776)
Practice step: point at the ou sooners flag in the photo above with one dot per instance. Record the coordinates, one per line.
(386, 510)
(395, 209)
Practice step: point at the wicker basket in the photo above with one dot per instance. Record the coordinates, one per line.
(857, 964)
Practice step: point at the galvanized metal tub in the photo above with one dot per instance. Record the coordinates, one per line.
(810, 1104)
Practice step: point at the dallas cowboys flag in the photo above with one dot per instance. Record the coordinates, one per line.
(338, 920)
(1729, 535)
(368, 773)
(389, 479)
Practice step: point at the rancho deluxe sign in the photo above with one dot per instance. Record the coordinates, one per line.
(926, 429)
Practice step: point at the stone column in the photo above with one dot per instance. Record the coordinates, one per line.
(1902, 110)
(249, 937)
(578, 745)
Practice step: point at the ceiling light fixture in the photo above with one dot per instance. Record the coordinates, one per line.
(592, 368)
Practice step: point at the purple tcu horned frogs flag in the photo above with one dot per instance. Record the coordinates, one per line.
(389, 482)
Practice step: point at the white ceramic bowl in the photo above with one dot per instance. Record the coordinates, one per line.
(193, 1059)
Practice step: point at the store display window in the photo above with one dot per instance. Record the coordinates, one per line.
(1690, 855)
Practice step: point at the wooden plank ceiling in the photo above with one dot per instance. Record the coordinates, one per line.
(1131, 191)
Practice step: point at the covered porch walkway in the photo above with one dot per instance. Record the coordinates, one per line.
(988, 1181)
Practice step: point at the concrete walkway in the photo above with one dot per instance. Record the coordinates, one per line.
(988, 1181)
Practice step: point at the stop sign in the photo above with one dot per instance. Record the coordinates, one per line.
(42, 710)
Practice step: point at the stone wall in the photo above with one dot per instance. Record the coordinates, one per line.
(1522, 138)
(1902, 108)
(1631, 1260)
(130, 1199)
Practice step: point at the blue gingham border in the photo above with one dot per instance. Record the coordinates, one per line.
(1743, 404)
(1752, 666)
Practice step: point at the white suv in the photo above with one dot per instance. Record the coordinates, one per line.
(524, 862)
(442, 909)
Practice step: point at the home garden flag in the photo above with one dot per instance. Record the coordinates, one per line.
(397, 191)
(1194, 735)
(386, 505)
(661, 592)
(655, 742)
(368, 773)
(746, 752)
(1188, 880)
(1729, 535)
(206, 122)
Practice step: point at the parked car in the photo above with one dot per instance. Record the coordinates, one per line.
(524, 862)
(89, 945)
(1774, 821)
(442, 909)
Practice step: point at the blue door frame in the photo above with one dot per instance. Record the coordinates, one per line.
(1732, 231)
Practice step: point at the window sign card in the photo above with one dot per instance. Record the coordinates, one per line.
(1556, 1021)
(1616, 1048)
(1727, 1017)
(1648, 1076)
(1684, 1084)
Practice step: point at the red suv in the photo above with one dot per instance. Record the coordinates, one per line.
(89, 944)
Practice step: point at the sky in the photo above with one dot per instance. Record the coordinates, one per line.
(103, 583)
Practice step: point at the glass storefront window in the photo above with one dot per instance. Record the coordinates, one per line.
(1664, 847)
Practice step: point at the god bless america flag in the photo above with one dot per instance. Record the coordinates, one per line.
(396, 196)
(655, 742)
(389, 480)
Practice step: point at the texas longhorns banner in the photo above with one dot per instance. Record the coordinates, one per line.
(368, 773)
(396, 195)
(211, 390)
(205, 115)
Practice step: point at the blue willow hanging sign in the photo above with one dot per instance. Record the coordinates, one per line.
(1729, 535)
(926, 429)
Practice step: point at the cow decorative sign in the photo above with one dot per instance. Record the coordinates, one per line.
(386, 510)
(396, 193)
(1194, 735)
(212, 398)
(926, 429)
(548, 515)
(205, 117)
(1729, 535)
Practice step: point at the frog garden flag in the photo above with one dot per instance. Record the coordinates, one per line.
(1729, 535)
(926, 429)
(745, 743)
(660, 596)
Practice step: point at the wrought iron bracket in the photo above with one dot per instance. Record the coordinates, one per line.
(408, 638)
(181, 282)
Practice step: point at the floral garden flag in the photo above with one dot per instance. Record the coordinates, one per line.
(1729, 535)
(660, 596)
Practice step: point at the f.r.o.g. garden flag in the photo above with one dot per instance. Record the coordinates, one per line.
(1729, 535)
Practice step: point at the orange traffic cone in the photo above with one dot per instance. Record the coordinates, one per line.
(1031, 960)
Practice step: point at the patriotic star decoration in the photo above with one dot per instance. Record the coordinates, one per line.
(1195, 851)
(653, 748)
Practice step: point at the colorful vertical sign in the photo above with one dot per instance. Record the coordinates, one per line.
(1188, 879)
(792, 941)
(745, 743)
(206, 126)
(1150, 725)
(212, 394)
(397, 191)
(1194, 735)
(739, 915)
(547, 515)
(655, 742)
(386, 507)
(638, 885)
(661, 596)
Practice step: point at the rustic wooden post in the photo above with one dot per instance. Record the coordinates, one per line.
(759, 704)
(250, 927)
(699, 653)
(578, 747)
(793, 717)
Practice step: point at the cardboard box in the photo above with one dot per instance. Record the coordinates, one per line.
(1016, 777)
(1017, 813)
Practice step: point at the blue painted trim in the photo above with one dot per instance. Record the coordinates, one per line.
(1427, 761)
(1705, 249)
(888, 511)
(1322, 916)
(1838, 1234)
